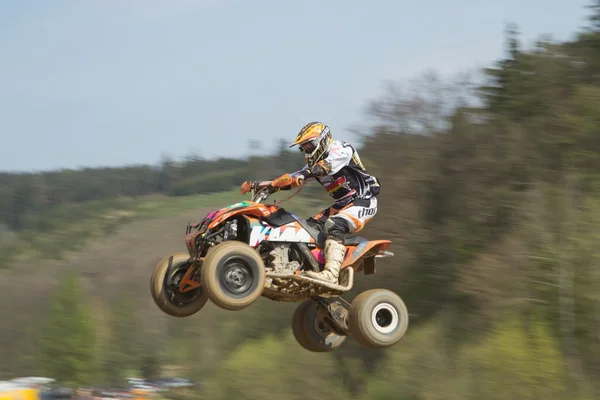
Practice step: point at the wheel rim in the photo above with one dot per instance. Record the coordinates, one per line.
(236, 276)
(171, 285)
(385, 318)
(321, 328)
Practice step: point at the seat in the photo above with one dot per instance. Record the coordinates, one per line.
(279, 218)
(282, 217)
(354, 240)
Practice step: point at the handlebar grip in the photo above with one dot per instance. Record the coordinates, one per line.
(263, 184)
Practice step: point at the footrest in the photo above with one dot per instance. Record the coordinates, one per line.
(346, 280)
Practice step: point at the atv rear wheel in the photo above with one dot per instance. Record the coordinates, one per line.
(164, 286)
(233, 275)
(377, 318)
(310, 332)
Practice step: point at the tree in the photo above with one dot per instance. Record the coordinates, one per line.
(594, 17)
(122, 351)
(68, 338)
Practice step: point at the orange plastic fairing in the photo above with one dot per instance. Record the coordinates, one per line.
(288, 233)
(356, 252)
(250, 208)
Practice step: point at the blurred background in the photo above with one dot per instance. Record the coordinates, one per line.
(122, 121)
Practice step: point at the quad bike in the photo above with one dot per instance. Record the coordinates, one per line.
(251, 249)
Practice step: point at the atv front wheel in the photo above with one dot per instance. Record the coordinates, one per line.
(377, 318)
(233, 275)
(164, 287)
(310, 332)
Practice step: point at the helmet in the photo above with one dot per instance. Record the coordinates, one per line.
(314, 139)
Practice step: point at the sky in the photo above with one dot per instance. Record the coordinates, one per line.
(90, 83)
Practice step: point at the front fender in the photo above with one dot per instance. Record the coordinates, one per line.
(256, 210)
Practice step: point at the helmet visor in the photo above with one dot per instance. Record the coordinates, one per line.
(309, 146)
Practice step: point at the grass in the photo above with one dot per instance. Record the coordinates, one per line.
(70, 227)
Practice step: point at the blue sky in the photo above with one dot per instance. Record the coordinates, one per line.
(117, 82)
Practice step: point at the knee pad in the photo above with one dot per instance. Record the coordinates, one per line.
(335, 229)
(336, 235)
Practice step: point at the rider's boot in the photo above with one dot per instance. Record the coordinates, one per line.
(334, 257)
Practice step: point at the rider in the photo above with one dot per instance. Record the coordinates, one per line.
(337, 167)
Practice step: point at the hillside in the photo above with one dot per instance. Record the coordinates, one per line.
(222, 347)
(110, 266)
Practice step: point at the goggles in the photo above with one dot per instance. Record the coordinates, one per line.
(310, 146)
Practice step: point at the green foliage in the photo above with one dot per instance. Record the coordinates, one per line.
(211, 182)
(67, 341)
(121, 353)
(513, 362)
(26, 200)
(274, 368)
(531, 361)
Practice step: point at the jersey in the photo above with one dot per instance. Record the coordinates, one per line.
(347, 179)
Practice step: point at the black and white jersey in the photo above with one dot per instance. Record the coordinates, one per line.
(346, 179)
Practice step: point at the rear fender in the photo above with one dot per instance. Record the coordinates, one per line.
(366, 249)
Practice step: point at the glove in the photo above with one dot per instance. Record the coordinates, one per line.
(246, 187)
(287, 181)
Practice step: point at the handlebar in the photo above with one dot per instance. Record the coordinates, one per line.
(259, 190)
(260, 195)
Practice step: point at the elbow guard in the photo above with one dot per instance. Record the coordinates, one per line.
(320, 169)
